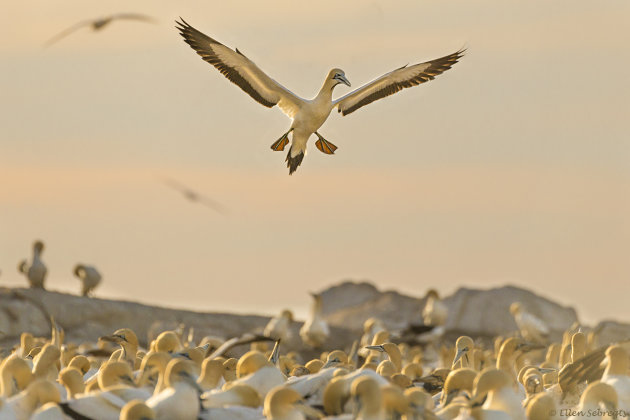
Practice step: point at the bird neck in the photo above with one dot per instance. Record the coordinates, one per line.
(325, 93)
(616, 366)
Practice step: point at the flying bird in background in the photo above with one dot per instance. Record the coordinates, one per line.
(195, 197)
(307, 115)
(98, 24)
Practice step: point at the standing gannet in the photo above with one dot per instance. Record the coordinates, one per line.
(45, 363)
(498, 388)
(152, 371)
(371, 327)
(128, 342)
(542, 407)
(278, 327)
(395, 402)
(136, 410)
(314, 332)
(15, 375)
(616, 374)
(117, 378)
(286, 404)
(312, 385)
(307, 115)
(255, 370)
(336, 397)
(530, 326)
(392, 351)
(368, 398)
(211, 376)
(180, 399)
(435, 311)
(237, 394)
(26, 344)
(510, 350)
(23, 405)
(89, 276)
(98, 24)
(459, 380)
(464, 357)
(115, 389)
(36, 272)
(72, 379)
(596, 400)
(420, 405)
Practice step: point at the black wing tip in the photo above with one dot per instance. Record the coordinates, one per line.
(182, 22)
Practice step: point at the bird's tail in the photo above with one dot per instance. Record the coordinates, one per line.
(294, 161)
(22, 267)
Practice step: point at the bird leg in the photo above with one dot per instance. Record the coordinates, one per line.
(279, 144)
(324, 145)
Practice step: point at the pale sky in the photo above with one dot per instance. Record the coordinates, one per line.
(512, 167)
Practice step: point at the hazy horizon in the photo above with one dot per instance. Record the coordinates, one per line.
(512, 167)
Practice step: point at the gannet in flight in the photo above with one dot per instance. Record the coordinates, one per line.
(195, 197)
(307, 115)
(97, 24)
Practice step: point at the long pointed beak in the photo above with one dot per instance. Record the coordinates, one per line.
(110, 338)
(450, 396)
(330, 363)
(460, 353)
(527, 347)
(343, 80)
(378, 348)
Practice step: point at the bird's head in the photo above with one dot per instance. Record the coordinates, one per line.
(77, 269)
(38, 246)
(338, 76)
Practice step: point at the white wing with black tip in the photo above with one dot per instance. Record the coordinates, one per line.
(395, 81)
(241, 71)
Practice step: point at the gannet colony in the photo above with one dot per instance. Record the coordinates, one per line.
(384, 357)
(410, 362)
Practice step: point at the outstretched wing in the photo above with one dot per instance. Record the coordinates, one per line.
(67, 32)
(133, 16)
(194, 196)
(395, 81)
(241, 71)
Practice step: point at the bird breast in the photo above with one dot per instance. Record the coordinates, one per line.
(312, 115)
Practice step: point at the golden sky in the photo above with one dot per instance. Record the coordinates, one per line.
(512, 167)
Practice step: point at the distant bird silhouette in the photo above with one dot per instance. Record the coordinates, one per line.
(89, 276)
(195, 197)
(36, 272)
(530, 326)
(98, 24)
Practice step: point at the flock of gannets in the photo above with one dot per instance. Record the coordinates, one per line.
(307, 115)
(176, 377)
(36, 272)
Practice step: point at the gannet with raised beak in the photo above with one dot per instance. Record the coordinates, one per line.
(307, 115)
(36, 271)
